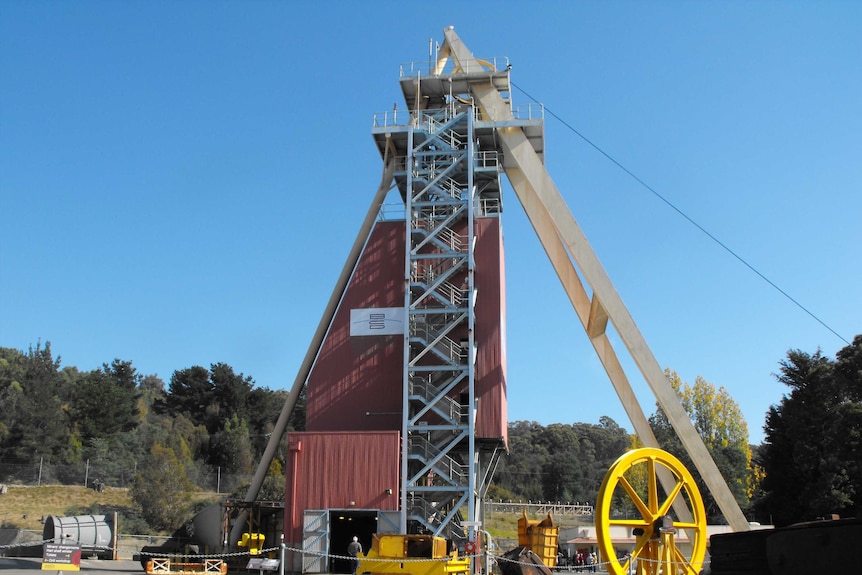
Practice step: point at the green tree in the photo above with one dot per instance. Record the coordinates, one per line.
(209, 397)
(601, 445)
(190, 394)
(563, 472)
(273, 484)
(39, 425)
(105, 402)
(559, 462)
(230, 392)
(521, 472)
(162, 489)
(848, 373)
(11, 390)
(812, 448)
(230, 448)
(719, 422)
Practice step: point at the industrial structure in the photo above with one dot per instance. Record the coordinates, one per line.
(405, 380)
(405, 377)
(406, 402)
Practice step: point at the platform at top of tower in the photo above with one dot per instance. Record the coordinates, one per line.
(440, 89)
(424, 88)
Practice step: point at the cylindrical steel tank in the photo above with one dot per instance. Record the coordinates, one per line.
(85, 530)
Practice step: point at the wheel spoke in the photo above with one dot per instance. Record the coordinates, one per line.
(629, 522)
(663, 510)
(625, 564)
(636, 499)
(681, 525)
(641, 547)
(652, 497)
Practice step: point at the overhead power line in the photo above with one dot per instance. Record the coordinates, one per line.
(684, 215)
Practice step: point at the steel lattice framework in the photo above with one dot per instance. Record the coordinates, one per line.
(447, 177)
(445, 155)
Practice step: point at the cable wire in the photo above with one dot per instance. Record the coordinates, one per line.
(683, 214)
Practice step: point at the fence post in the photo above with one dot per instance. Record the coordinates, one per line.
(281, 556)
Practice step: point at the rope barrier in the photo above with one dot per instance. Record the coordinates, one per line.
(600, 565)
(26, 544)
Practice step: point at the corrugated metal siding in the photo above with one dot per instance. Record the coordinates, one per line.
(356, 382)
(329, 470)
(490, 330)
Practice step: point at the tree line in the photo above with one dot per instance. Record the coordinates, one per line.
(120, 425)
(117, 420)
(567, 462)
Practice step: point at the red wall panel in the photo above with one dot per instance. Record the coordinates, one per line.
(339, 470)
(490, 328)
(356, 382)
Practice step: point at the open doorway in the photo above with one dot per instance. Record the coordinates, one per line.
(344, 525)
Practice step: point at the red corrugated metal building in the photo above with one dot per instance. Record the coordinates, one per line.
(347, 461)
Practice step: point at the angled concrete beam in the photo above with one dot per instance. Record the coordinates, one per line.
(319, 334)
(538, 194)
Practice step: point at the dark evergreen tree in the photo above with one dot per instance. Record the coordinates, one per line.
(230, 448)
(521, 471)
(190, 394)
(230, 394)
(601, 445)
(40, 426)
(559, 462)
(812, 449)
(209, 397)
(563, 472)
(11, 374)
(105, 402)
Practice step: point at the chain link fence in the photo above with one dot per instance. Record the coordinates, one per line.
(87, 474)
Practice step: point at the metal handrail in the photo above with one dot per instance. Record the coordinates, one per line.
(529, 111)
(453, 241)
(427, 452)
(410, 69)
(428, 392)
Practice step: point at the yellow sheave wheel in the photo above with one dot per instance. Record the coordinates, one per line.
(632, 497)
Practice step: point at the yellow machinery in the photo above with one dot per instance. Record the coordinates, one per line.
(252, 541)
(540, 537)
(411, 554)
(669, 526)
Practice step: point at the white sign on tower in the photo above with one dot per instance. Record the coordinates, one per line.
(377, 321)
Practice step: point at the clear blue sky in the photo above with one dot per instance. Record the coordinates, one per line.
(180, 182)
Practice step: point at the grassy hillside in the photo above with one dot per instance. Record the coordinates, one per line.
(23, 506)
(503, 527)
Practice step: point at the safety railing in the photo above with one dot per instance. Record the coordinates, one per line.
(445, 466)
(420, 387)
(530, 111)
(429, 272)
(444, 235)
(433, 181)
(394, 117)
(444, 346)
(486, 159)
(411, 69)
